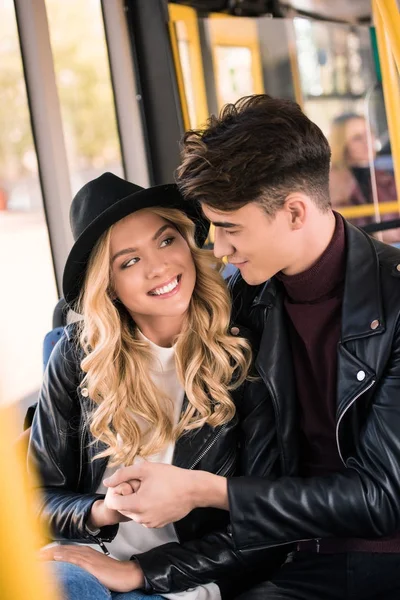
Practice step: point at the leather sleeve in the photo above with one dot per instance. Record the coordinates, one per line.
(363, 501)
(54, 451)
(176, 567)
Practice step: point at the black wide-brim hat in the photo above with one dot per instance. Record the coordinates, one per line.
(105, 201)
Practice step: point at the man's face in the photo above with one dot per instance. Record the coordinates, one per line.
(259, 245)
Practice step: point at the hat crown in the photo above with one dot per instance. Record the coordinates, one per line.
(96, 197)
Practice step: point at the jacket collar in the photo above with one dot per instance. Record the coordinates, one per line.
(362, 312)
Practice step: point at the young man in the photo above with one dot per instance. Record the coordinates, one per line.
(329, 356)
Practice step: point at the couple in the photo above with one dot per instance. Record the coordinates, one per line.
(268, 437)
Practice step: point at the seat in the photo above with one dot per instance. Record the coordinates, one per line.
(60, 320)
(60, 315)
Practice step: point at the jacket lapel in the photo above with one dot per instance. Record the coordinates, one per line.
(274, 361)
(362, 317)
(362, 311)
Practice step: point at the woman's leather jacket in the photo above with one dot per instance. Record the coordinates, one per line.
(62, 451)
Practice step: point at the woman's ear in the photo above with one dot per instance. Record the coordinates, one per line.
(112, 295)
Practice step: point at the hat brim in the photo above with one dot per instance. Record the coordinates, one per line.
(163, 196)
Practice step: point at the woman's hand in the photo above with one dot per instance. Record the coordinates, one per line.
(166, 493)
(101, 515)
(117, 576)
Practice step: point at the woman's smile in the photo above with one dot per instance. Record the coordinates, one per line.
(168, 289)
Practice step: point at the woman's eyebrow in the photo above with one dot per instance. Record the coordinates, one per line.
(161, 231)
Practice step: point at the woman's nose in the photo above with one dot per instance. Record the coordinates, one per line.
(155, 268)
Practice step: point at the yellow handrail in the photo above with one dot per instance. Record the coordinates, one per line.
(183, 28)
(386, 16)
(389, 12)
(368, 210)
(22, 576)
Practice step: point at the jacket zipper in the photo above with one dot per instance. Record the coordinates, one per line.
(82, 436)
(207, 448)
(100, 543)
(344, 412)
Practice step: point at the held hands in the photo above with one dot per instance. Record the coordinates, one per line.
(165, 493)
(101, 515)
(118, 576)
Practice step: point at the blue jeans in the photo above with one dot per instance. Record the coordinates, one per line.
(76, 583)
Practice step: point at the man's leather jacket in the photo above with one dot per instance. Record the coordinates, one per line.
(363, 501)
(62, 450)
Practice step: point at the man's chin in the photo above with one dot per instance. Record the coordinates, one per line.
(252, 279)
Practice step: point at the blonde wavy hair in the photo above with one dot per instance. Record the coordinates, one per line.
(210, 362)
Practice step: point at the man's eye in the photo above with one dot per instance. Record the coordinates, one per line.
(130, 262)
(230, 232)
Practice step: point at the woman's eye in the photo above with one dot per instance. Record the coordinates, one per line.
(167, 242)
(130, 262)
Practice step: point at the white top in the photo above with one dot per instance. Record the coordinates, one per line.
(133, 538)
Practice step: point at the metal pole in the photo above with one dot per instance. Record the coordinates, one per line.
(46, 126)
(128, 99)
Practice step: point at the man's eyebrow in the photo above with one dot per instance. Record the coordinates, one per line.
(225, 224)
(133, 250)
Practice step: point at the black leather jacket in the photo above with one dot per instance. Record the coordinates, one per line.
(62, 450)
(364, 500)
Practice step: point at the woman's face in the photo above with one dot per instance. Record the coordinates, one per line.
(152, 268)
(357, 143)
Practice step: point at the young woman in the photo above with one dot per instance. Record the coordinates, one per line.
(154, 371)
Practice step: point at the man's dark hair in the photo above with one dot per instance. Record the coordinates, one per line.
(258, 149)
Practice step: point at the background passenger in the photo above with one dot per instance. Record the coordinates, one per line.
(350, 178)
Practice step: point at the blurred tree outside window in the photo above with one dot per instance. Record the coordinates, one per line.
(85, 89)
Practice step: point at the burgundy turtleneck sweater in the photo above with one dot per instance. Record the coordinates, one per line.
(313, 302)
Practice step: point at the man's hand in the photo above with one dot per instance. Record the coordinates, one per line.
(166, 493)
(117, 576)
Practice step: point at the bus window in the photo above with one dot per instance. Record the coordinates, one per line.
(28, 289)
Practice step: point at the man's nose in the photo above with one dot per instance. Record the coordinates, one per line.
(222, 246)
